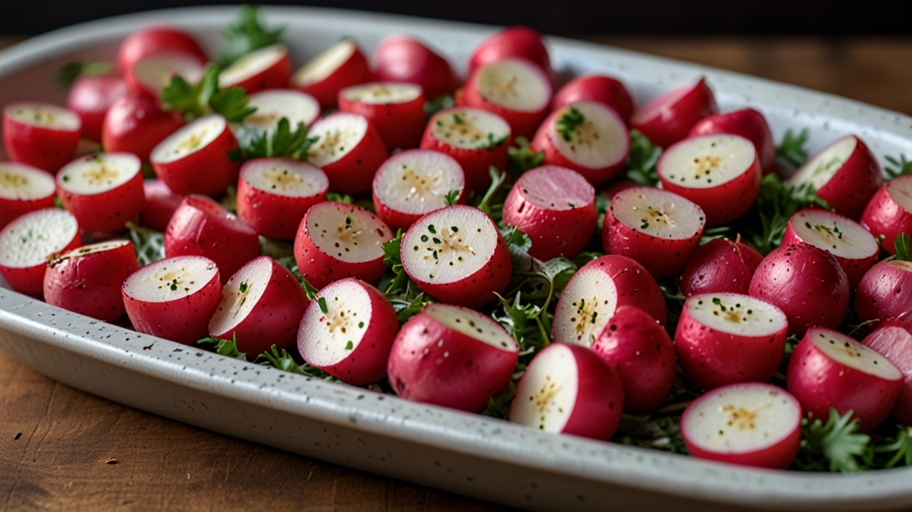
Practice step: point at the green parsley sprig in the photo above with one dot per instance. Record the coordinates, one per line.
(198, 100)
(281, 142)
(247, 35)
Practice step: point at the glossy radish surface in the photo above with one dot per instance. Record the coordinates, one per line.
(195, 159)
(339, 66)
(266, 68)
(136, 124)
(28, 242)
(274, 194)
(720, 265)
(893, 340)
(511, 42)
(668, 118)
(348, 149)
(404, 59)
(23, 189)
(889, 212)
(600, 88)
(396, 110)
(747, 123)
(274, 104)
(90, 98)
(156, 44)
(414, 182)
(103, 191)
(40, 134)
(513, 88)
(885, 293)
(161, 203)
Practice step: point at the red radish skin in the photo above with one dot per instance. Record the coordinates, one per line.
(274, 104)
(27, 243)
(600, 88)
(885, 293)
(571, 390)
(451, 356)
(135, 124)
(725, 338)
(893, 340)
(40, 134)
(492, 87)
(668, 118)
(512, 42)
(161, 203)
(555, 207)
(337, 240)
(353, 338)
(845, 375)
(403, 59)
(732, 415)
(395, 110)
(201, 227)
(154, 42)
(88, 280)
(415, 182)
(274, 194)
(747, 123)
(103, 191)
(266, 68)
(262, 305)
(196, 158)
(90, 97)
(340, 66)
(720, 266)
(23, 189)
(617, 186)
(174, 298)
(349, 150)
(807, 284)
(889, 212)
(642, 353)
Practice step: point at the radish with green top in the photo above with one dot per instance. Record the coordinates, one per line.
(341, 65)
(23, 189)
(893, 340)
(196, 158)
(751, 424)
(889, 212)
(274, 194)
(570, 390)
(103, 191)
(40, 134)
(555, 207)
(586, 136)
(718, 172)
(725, 338)
(274, 104)
(266, 68)
(88, 280)
(403, 59)
(601, 88)
(348, 149)
(720, 265)
(668, 118)
(747, 123)
(514, 88)
(829, 369)
(174, 298)
(161, 203)
(348, 332)
(456, 255)
(27, 243)
(511, 42)
(338, 240)
(659, 229)
(451, 356)
(596, 291)
(396, 110)
(149, 57)
(262, 305)
(885, 293)
(90, 98)
(136, 124)
(414, 182)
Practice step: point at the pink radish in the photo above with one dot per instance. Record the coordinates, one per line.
(195, 159)
(829, 369)
(885, 293)
(456, 255)
(341, 65)
(40, 134)
(136, 124)
(103, 191)
(90, 98)
(274, 104)
(601, 88)
(414, 182)
(720, 266)
(262, 305)
(747, 123)
(893, 340)
(889, 212)
(349, 150)
(750, 424)
(403, 59)
(274, 194)
(570, 390)
(153, 73)
(718, 172)
(266, 68)
(348, 332)
(451, 356)
(88, 280)
(161, 203)
(725, 338)
(337, 240)
(659, 229)
(27, 243)
(513, 88)
(555, 207)
(173, 298)
(396, 110)
(668, 118)
(154, 45)
(23, 189)
(511, 42)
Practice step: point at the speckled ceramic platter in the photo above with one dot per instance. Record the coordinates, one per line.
(460, 452)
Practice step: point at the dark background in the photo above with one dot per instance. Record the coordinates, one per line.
(574, 18)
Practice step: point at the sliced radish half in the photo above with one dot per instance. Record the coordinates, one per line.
(195, 159)
(348, 332)
(570, 390)
(90, 97)
(23, 189)
(174, 298)
(516, 41)
(396, 110)
(272, 105)
(889, 213)
(885, 293)
(415, 182)
(266, 68)
(404, 59)
(893, 340)
(853, 246)
(152, 74)
(600, 88)
(829, 369)
(451, 356)
(514, 88)
(348, 149)
(751, 424)
(659, 229)
(340, 66)
(668, 118)
(747, 123)
(103, 191)
(274, 194)
(456, 255)
(27, 243)
(40, 134)
(136, 124)
(157, 44)
(718, 172)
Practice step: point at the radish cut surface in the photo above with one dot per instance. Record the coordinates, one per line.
(350, 235)
(474, 325)
(20, 182)
(599, 141)
(842, 237)
(417, 181)
(470, 128)
(241, 294)
(850, 353)
(155, 73)
(449, 245)
(658, 213)
(324, 64)
(170, 279)
(555, 188)
(189, 139)
(337, 135)
(334, 335)
(823, 166)
(514, 84)
(271, 106)
(900, 191)
(44, 115)
(33, 238)
(587, 303)
(737, 314)
(546, 395)
(251, 65)
(285, 177)
(98, 173)
(382, 93)
(707, 161)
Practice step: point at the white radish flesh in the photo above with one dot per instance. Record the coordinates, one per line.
(337, 136)
(324, 64)
(155, 73)
(333, 335)
(33, 238)
(381, 93)
(170, 279)
(447, 246)
(737, 314)
(823, 166)
(474, 325)
(841, 237)
(587, 303)
(272, 105)
(251, 65)
(416, 182)
(599, 141)
(98, 173)
(241, 294)
(546, 396)
(347, 235)
(470, 128)
(514, 84)
(188, 140)
(44, 115)
(285, 177)
(20, 182)
(707, 161)
(658, 213)
(848, 352)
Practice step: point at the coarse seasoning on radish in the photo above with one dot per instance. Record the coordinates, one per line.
(341, 65)
(174, 298)
(414, 182)
(27, 243)
(274, 104)
(513, 88)
(88, 280)
(726, 338)
(136, 124)
(40, 134)
(161, 203)
(337, 240)
(274, 194)
(751, 424)
(262, 305)
(348, 332)
(403, 59)
(396, 110)
(600, 88)
(451, 356)
(266, 68)
(571, 390)
(103, 191)
(885, 293)
(718, 172)
(659, 229)
(90, 98)
(747, 123)
(555, 208)
(668, 118)
(23, 189)
(349, 150)
(889, 212)
(720, 265)
(195, 159)
(893, 340)
(456, 255)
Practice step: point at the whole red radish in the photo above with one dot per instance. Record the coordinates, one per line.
(668, 118)
(341, 65)
(720, 266)
(103, 191)
(885, 293)
(274, 104)
(403, 59)
(348, 149)
(599, 88)
(396, 110)
(266, 68)
(135, 124)
(161, 203)
(27, 243)
(514, 88)
(889, 212)
(196, 158)
(40, 134)
(90, 97)
(23, 189)
(511, 42)
(274, 194)
(893, 340)
(747, 123)
(414, 182)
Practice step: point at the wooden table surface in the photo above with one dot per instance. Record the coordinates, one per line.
(63, 449)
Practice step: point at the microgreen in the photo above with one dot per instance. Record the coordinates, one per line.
(569, 122)
(765, 225)
(287, 362)
(437, 104)
(834, 446)
(197, 100)
(148, 243)
(450, 198)
(279, 143)
(223, 347)
(487, 203)
(396, 285)
(522, 157)
(642, 160)
(897, 167)
(791, 149)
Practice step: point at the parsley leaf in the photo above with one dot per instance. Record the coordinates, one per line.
(522, 158)
(518, 243)
(396, 285)
(279, 143)
(834, 446)
(901, 244)
(497, 180)
(898, 167)
(451, 197)
(900, 446)
(775, 205)
(148, 243)
(791, 149)
(198, 100)
(223, 347)
(247, 35)
(437, 104)
(70, 71)
(569, 122)
(286, 362)
(642, 159)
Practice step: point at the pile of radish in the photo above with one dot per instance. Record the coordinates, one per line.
(493, 255)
